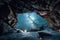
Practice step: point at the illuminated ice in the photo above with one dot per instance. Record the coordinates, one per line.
(30, 20)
